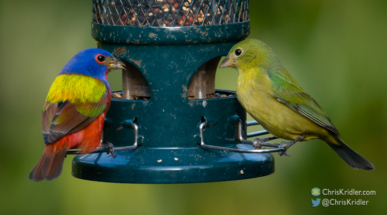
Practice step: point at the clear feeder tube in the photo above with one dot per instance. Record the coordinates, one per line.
(201, 84)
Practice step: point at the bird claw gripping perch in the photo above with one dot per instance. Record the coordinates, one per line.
(259, 142)
(105, 147)
(287, 145)
(284, 145)
(109, 149)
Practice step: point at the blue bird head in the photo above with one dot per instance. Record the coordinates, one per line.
(94, 62)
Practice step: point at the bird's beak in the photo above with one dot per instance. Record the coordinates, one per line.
(227, 62)
(116, 64)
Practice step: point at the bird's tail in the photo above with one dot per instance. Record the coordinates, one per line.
(50, 164)
(351, 157)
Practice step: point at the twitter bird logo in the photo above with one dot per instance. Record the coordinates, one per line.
(316, 202)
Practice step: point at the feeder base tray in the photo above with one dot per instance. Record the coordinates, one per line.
(173, 165)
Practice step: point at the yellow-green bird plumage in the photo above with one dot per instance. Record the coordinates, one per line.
(84, 91)
(270, 94)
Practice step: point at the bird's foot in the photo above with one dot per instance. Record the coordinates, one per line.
(109, 148)
(287, 145)
(259, 142)
(284, 145)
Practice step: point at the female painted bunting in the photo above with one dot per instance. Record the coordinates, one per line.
(272, 97)
(74, 111)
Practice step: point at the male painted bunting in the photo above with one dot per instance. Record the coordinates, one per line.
(272, 97)
(74, 111)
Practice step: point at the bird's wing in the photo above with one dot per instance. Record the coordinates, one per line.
(64, 114)
(60, 119)
(289, 93)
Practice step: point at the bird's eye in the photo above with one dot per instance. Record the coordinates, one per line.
(100, 58)
(238, 52)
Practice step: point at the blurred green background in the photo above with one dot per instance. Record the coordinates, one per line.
(335, 49)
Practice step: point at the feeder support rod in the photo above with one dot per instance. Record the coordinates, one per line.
(241, 139)
(106, 149)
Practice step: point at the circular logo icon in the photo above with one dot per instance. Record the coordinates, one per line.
(325, 202)
(315, 191)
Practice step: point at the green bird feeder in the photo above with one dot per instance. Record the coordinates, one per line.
(169, 124)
